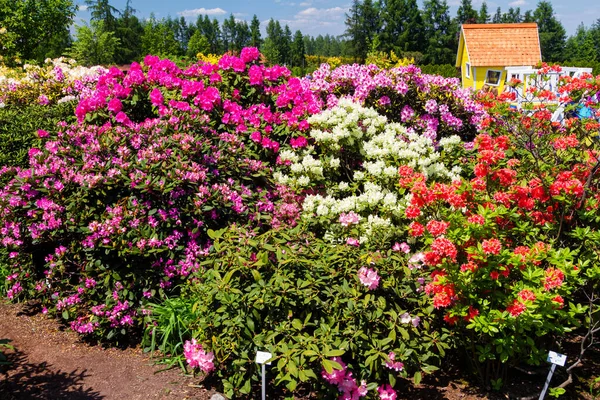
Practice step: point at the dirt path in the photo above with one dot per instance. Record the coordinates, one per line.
(49, 363)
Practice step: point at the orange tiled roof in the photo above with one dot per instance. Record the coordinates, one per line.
(502, 44)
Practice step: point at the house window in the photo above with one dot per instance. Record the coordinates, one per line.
(468, 70)
(492, 77)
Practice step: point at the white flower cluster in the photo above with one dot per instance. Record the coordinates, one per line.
(356, 156)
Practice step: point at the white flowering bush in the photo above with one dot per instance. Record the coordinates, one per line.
(350, 172)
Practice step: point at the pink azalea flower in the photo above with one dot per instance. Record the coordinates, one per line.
(368, 277)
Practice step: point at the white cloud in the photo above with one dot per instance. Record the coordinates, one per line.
(334, 13)
(517, 3)
(314, 20)
(305, 4)
(202, 11)
(83, 8)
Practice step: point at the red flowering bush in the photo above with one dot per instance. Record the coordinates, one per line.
(518, 249)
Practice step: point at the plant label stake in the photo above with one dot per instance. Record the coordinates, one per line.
(261, 358)
(555, 359)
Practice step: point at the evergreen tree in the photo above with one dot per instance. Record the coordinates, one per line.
(285, 46)
(403, 26)
(595, 35)
(528, 16)
(466, 14)
(580, 47)
(552, 33)
(363, 24)
(298, 50)
(355, 31)
(513, 16)
(498, 16)
(440, 33)
(243, 35)
(272, 44)
(129, 31)
(228, 33)
(101, 10)
(255, 39)
(484, 16)
(159, 38)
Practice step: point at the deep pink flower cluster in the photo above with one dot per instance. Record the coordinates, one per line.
(197, 357)
(346, 383)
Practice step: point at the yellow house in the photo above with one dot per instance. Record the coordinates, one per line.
(486, 50)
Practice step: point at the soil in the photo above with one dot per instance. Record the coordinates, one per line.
(51, 362)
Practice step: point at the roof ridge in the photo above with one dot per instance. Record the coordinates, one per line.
(500, 26)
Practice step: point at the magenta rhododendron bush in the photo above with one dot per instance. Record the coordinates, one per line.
(356, 223)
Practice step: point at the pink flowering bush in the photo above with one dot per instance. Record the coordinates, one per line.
(114, 210)
(430, 105)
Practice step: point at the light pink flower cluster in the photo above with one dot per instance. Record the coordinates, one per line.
(368, 277)
(386, 392)
(350, 218)
(197, 357)
(347, 385)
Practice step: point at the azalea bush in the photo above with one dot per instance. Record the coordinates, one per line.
(430, 105)
(113, 209)
(331, 315)
(56, 81)
(511, 265)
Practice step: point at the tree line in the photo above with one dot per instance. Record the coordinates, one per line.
(34, 30)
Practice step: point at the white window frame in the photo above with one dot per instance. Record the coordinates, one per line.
(468, 70)
(487, 74)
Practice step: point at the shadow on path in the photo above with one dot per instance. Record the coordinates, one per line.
(22, 380)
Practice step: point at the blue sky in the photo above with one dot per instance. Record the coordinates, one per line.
(315, 17)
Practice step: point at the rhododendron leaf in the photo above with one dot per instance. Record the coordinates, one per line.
(330, 365)
(335, 353)
(417, 377)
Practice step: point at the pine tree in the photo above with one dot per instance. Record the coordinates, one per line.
(403, 26)
(298, 50)
(552, 33)
(355, 31)
(498, 16)
(466, 13)
(580, 47)
(101, 10)
(483, 17)
(129, 31)
(255, 39)
(440, 32)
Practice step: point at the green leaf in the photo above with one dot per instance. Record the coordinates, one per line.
(417, 377)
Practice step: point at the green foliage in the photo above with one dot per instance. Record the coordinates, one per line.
(197, 44)
(95, 45)
(552, 34)
(36, 29)
(299, 298)
(445, 70)
(19, 126)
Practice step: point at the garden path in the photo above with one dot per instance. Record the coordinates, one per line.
(52, 363)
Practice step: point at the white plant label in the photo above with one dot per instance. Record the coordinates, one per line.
(556, 358)
(262, 357)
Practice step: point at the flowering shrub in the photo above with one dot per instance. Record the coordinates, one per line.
(57, 81)
(507, 266)
(338, 222)
(113, 210)
(304, 300)
(430, 105)
(357, 157)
